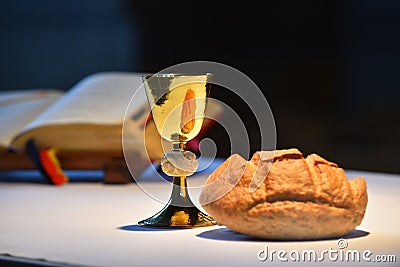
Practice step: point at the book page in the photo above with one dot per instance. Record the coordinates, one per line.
(99, 99)
(20, 107)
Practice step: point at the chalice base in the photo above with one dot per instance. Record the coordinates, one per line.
(180, 212)
(178, 217)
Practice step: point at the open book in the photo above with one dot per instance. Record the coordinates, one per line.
(87, 118)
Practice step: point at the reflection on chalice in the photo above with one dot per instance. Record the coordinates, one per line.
(178, 103)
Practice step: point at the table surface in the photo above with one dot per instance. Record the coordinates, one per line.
(93, 224)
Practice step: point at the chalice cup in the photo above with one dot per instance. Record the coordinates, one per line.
(178, 103)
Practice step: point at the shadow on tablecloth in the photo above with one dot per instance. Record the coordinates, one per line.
(226, 234)
(138, 228)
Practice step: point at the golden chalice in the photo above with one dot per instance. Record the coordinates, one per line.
(178, 103)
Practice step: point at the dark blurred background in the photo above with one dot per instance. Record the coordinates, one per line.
(329, 69)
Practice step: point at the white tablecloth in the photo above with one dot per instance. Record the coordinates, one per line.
(95, 224)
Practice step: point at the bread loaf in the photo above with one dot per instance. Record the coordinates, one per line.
(300, 198)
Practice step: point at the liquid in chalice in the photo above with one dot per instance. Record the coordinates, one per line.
(180, 110)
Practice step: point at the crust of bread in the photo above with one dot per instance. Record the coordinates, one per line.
(300, 198)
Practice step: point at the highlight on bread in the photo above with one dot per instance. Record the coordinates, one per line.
(300, 198)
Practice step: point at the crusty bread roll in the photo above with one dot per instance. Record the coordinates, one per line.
(299, 199)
